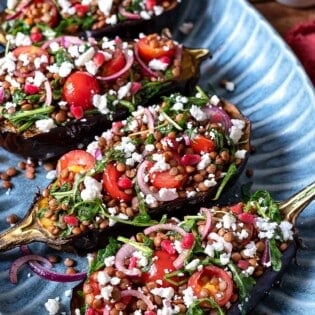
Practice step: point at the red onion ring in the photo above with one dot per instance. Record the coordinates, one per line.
(124, 252)
(129, 61)
(63, 41)
(165, 226)
(186, 139)
(48, 99)
(150, 118)
(20, 7)
(265, 259)
(19, 262)
(178, 263)
(216, 114)
(208, 222)
(139, 295)
(146, 69)
(128, 15)
(47, 274)
(1, 94)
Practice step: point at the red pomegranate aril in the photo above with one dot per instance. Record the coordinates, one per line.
(36, 37)
(188, 241)
(124, 183)
(165, 59)
(237, 208)
(243, 264)
(31, 89)
(71, 220)
(77, 111)
(167, 245)
(190, 159)
(133, 261)
(246, 217)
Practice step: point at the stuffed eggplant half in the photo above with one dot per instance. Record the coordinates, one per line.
(37, 21)
(56, 97)
(218, 261)
(183, 150)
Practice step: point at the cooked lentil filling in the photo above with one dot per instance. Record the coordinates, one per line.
(202, 264)
(180, 149)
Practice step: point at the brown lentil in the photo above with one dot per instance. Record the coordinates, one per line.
(12, 218)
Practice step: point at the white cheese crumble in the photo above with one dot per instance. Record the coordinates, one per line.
(204, 162)
(188, 296)
(166, 293)
(286, 229)
(240, 154)
(156, 64)
(168, 194)
(197, 113)
(192, 265)
(236, 129)
(53, 306)
(44, 125)
(100, 102)
(92, 189)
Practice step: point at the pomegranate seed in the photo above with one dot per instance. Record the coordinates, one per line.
(149, 313)
(149, 4)
(190, 159)
(77, 111)
(167, 245)
(116, 126)
(99, 59)
(90, 311)
(124, 183)
(133, 261)
(36, 37)
(31, 89)
(243, 264)
(237, 208)
(135, 87)
(165, 59)
(71, 220)
(188, 241)
(81, 9)
(246, 217)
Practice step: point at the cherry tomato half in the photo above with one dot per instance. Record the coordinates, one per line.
(162, 265)
(165, 179)
(74, 161)
(213, 282)
(79, 89)
(154, 47)
(110, 183)
(202, 144)
(113, 65)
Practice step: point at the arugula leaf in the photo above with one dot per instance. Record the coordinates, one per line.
(110, 250)
(275, 255)
(196, 309)
(244, 283)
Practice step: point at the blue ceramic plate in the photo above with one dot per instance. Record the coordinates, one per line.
(273, 91)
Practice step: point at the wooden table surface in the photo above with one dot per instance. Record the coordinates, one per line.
(283, 17)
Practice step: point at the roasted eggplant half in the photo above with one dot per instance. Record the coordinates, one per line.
(41, 20)
(221, 260)
(57, 97)
(180, 152)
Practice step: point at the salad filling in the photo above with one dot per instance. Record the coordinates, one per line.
(68, 79)
(40, 20)
(181, 149)
(200, 265)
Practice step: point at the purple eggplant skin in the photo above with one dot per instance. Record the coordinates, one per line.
(59, 140)
(269, 279)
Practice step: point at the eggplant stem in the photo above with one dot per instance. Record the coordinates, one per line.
(292, 207)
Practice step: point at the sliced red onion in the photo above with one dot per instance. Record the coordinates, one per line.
(165, 226)
(139, 295)
(20, 7)
(64, 41)
(124, 252)
(129, 15)
(129, 61)
(49, 274)
(186, 139)
(207, 226)
(150, 118)
(146, 69)
(216, 114)
(1, 94)
(19, 262)
(179, 262)
(48, 99)
(135, 87)
(265, 259)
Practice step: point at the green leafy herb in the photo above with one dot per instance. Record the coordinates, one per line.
(196, 309)
(147, 251)
(275, 255)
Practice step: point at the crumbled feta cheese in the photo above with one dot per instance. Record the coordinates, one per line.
(160, 164)
(224, 258)
(188, 296)
(250, 249)
(115, 281)
(286, 229)
(85, 57)
(149, 147)
(44, 125)
(210, 182)
(192, 265)
(178, 106)
(204, 162)
(109, 261)
(266, 228)
(240, 154)
(105, 6)
(166, 293)
(236, 129)
(145, 15)
(158, 10)
(191, 194)
(53, 306)
(106, 292)
(124, 90)
(103, 278)
(228, 220)
(92, 190)
(150, 200)
(39, 78)
(197, 113)
(100, 102)
(156, 64)
(168, 194)
(142, 261)
(209, 250)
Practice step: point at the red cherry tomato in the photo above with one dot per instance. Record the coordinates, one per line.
(202, 144)
(165, 180)
(113, 65)
(79, 89)
(110, 183)
(91, 287)
(162, 265)
(208, 281)
(74, 161)
(154, 47)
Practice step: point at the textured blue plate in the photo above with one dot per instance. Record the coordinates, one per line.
(273, 91)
